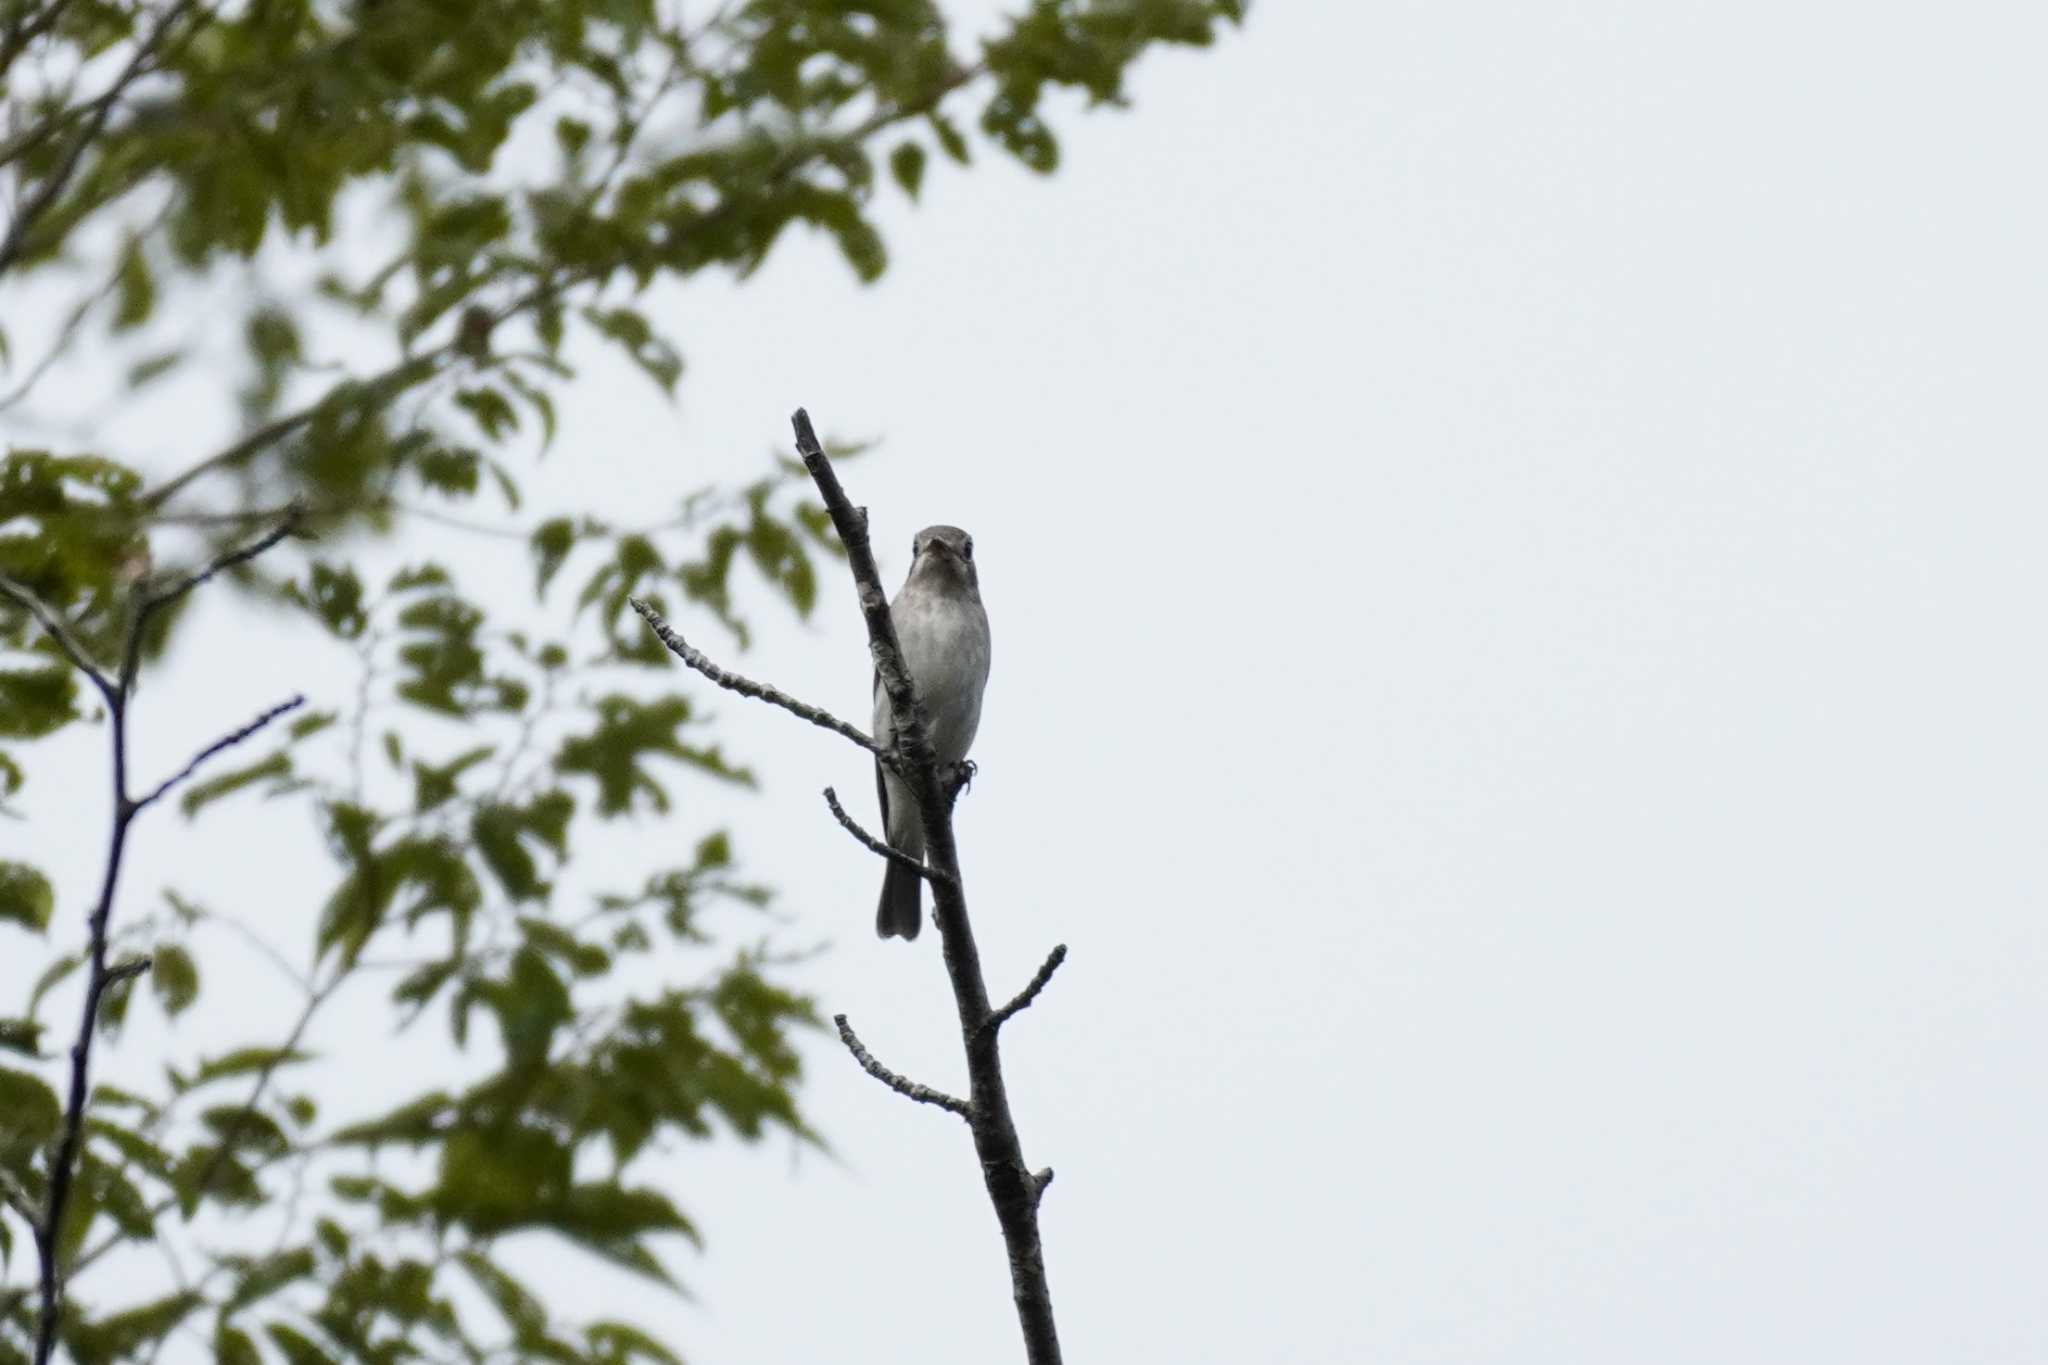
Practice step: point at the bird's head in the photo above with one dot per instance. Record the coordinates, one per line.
(943, 556)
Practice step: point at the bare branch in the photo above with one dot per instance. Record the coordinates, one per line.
(54, 627)
(747, 687)
(876, 846)
(123, 971)
(226, 560)
(1028, 994)
(909, 1089)
(153, 601)
(64, 1160)
(225, 742)
(1013, 1190)
(100, 975)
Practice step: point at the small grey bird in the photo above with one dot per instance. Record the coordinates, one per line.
(944, 634)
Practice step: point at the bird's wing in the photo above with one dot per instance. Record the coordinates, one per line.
(881, 777)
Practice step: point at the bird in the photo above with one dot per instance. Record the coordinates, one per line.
(943, 631)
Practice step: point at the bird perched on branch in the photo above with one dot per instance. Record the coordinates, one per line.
(944, 634)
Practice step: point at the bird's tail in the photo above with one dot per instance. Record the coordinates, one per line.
(901, 912)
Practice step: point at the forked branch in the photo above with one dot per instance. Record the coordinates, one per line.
(1013, 1188)
(101, 976)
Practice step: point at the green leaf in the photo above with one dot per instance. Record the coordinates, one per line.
(258, 1277)
(21, 1035)
(29, 1113)
(628, 733)
(203, 794)
(34, 702)
(126, 1333)
(501, 832)
(552, 541)
(51, 977)
(248, 1061)
(433, 786)
(906, 163)
(25, 896)
(175, 977)
(616, 1343)
(335, 595)
(523, 1313)
(137, 288)
(950, 140)
(231, 1346)
(298, 1348)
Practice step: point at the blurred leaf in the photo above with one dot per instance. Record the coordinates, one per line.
(137, 288)
(335, 595)
(21, 1035)
(232, 1346)
(298, 1348)
(52, 975)
(25, 896)
(433, 786)
(125, 1333)
(29, 1113)
(615, 1343)
(200, 795)
(906, 163)
(35, 702)
(175, 978)
(247, 1061)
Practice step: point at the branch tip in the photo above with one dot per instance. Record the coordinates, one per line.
(877, 847)
(909, 1089)
(1024, 997)
(221, 745)
(746, 687)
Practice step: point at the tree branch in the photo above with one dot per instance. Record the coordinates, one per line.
(226, 560)
(153, 600)
(102, 977)
(747, 687)
(876, 846)
(225, 742)
(54, 627)
(909, 1089)
(1027, 995)
(1013, 1190)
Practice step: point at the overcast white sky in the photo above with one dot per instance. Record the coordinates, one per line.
(1513, 540)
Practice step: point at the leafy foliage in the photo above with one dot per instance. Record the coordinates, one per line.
(465, 202)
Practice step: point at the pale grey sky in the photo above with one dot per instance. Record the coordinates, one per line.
(1512, 541)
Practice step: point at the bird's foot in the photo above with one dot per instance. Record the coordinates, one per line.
(960, 776)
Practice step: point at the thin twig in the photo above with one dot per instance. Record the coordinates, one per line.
(225, 742)
(226, 560)
(876, 846)
(153, 600)
(1028, 994)
(909, 1089)
(54, 627)
(746, 687)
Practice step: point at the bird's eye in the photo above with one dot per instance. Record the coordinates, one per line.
(967, 549)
